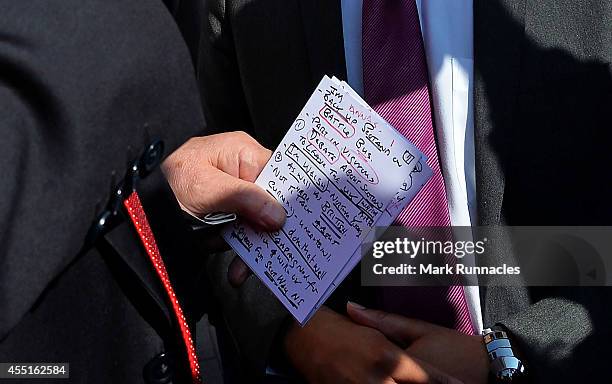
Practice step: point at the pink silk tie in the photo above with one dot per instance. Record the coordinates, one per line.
(395, 84)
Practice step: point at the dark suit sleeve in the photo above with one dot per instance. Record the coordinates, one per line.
(564, 333)
(253, 315)
(81, 85)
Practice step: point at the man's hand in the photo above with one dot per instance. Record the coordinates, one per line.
(333, 349)
(461, 355)
(216, 174)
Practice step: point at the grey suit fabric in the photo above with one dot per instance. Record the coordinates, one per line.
(543, 87)
(82, 85)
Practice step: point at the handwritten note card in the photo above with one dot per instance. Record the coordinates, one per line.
(339, 171)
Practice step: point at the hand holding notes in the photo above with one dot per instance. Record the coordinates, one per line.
(338, 172)
(216, 173)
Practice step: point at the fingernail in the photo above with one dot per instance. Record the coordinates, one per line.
(273, 215)
(355, 305)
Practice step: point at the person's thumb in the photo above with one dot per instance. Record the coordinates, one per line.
(399, 329)
(249, 201)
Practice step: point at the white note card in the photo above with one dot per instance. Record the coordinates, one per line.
(339, 171)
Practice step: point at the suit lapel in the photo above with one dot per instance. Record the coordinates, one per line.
(322, 23)
(499, 38)
(498, 41)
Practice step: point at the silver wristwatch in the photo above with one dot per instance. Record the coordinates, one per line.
(504, 365)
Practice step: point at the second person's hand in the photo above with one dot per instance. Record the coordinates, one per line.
(463, 356)
(333, 349)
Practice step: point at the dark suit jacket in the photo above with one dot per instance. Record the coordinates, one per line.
(82, 85)
(542, 95)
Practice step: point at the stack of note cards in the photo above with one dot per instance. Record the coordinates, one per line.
(340, 171)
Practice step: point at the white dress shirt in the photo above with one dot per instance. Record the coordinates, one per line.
(447, 33)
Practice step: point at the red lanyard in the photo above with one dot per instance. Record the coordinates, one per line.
(139, 219)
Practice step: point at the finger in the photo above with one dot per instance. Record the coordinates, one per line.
(252, 161)
(408, 370)
(433, 374)
(241, 155)
(238, 272)
(399, 329)
(222, 192)
(403, 368)
(413, 371)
